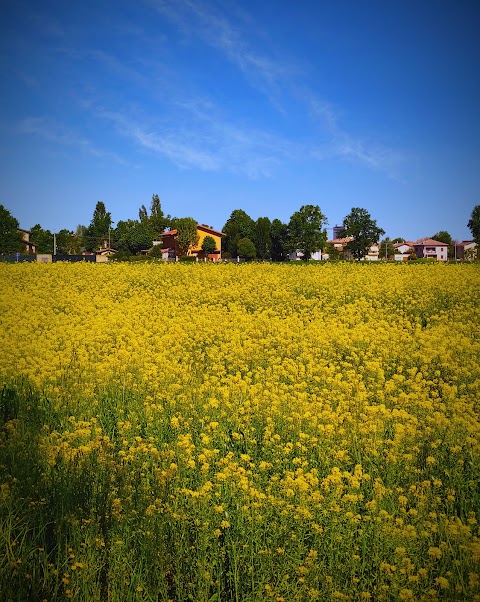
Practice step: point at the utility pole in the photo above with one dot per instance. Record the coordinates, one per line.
(54, 243)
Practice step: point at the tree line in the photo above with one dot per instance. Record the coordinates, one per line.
(128, 237)
(305, 233)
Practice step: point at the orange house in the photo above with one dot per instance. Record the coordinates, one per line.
(171, 249)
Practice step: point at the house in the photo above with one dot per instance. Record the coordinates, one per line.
(429, 248)
(467, 249)
(403, 250)
(340, 244)
(423, 248)
(106, 249)
(170, 247)
(106, 252)
(373, 252)
(298, 255)
(30, 247)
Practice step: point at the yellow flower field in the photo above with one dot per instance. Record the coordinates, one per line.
(239, 432)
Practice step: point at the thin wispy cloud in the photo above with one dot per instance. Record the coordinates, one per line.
(57, 133)
(203, 21)
(206, 142)
(176, 146)
(186, 126)
(339, 143)
(278, 80)
(372, 155)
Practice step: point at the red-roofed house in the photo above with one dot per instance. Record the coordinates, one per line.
(341, 245)
(429, 248)
(403, 250)
(467, 249)
(171, 249)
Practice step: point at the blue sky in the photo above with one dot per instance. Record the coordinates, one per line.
(218, 105)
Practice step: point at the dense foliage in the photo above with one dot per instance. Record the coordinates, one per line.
(239, 225)
(132, 236)
(306, 232)
(98, 230)
(246, 249)
(239, 432)
(158, 221)
(278, 241)
(474, 224)
(187, 234)
(10, 237)
(364, 232)
(263, 241)
(209, 245)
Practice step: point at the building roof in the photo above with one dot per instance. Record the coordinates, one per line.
(174, 232)
(429, 242)
(340, 241)
(209, 230)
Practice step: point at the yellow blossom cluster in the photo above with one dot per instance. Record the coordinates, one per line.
(240, 432)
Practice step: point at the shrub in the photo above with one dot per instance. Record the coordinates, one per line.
(156, 251)
(187, 258)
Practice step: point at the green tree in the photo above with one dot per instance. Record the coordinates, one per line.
(246, 249)
(10, 237)
(306, 230)
(99, 227)
(278, 241)
(474, 224)
(444, 236)
(187, 234)
(263, 241)
(332, 252)
(209, 245)
(132, 236)
(142, 214)
(239, 225)
(364, 230)
(158, 220)
(78, 239)
(80, 232)
(387, 250)
(156, 251)
(120, 236)
(43, 239)
(68, 243)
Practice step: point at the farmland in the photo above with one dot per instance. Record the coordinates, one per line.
(239, 432)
